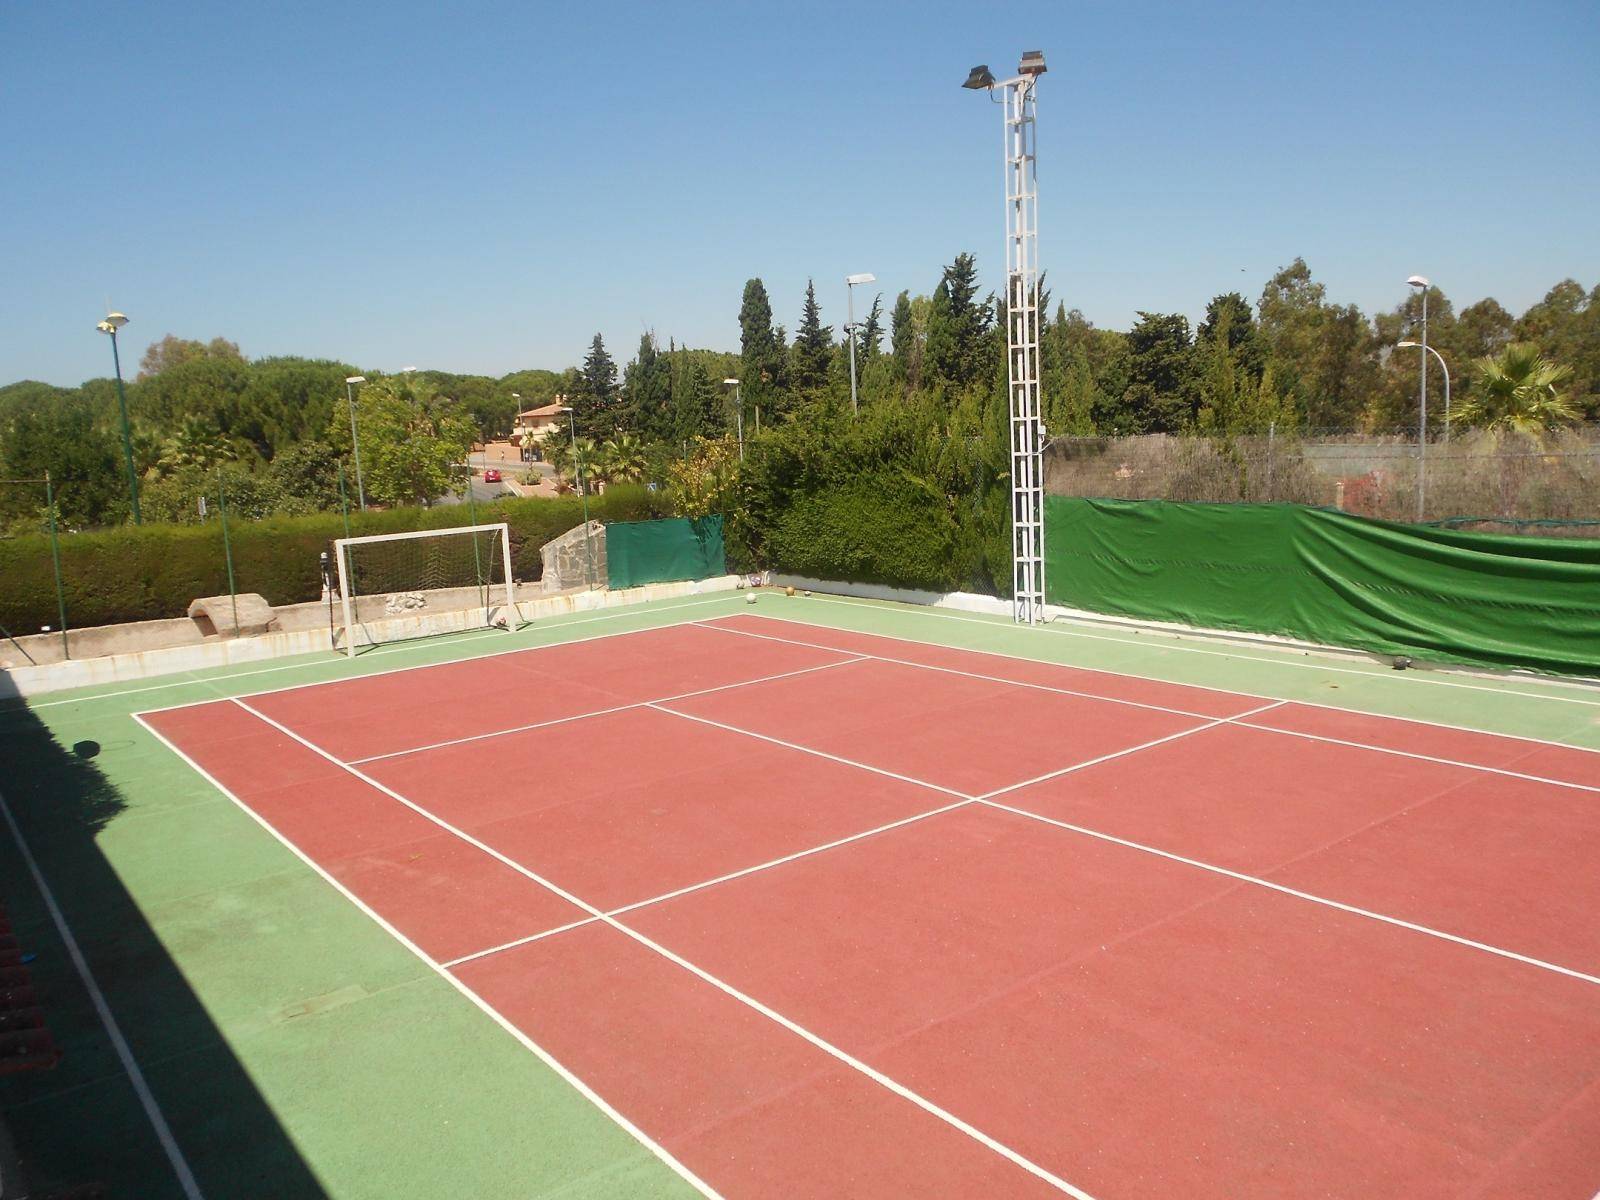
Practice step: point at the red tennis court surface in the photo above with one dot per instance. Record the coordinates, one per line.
(827, 914)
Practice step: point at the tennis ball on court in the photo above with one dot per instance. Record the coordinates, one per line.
(788, 591)
(750, 599)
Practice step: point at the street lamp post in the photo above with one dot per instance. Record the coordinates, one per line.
(1420, 282)
(1443, 367)
(850, 282)
(738, 411)
(112, 323)
(1017, 96)
(355, 441)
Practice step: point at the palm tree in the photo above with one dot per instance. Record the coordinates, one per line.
(624, 458)
(195, 443)
(1517, 390)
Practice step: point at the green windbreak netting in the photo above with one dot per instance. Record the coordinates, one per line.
(656, 551)
(1329, 577)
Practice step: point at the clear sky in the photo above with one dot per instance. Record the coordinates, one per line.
(481, 187)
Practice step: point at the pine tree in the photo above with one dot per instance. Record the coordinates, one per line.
(813, 346)
(760, 346)
(596, 400)
(958, 326)
(903, 335)
(871, 335)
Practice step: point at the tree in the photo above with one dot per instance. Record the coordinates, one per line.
(1322, 354)
(414, 442)
(1161, 395)
(761, 351)
(72, 437)
(196, 443)
(647, 392)
(173, 351)
(1518, 390)
(903, 344)
(870, 336)
(1565, 325)
(813, 346)
(958, 326)
(696, 406)
(625, 458)
(596, 399)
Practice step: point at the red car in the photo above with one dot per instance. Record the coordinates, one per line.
(491, 476)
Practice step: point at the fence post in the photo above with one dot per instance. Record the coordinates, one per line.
(55, 562)
(1272, 434)
(227, 550)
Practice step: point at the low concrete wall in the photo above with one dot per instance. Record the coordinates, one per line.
(309, 638)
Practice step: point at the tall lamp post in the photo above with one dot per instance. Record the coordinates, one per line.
(112, 323)
(850, 282)
(738, 412)
(1022, 331)
(350, 385)
(1443, 367)
(1420, 282)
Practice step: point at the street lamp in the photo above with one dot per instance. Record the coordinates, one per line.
(850, 282)
(1017, 96)
(112, 323)
(1420, 282)
(738, 406)
(1442, 367)
(355, 442)
(583, 493)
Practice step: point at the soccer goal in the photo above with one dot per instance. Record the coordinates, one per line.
(394, 586)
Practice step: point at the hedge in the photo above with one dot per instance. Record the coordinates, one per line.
(153, 571)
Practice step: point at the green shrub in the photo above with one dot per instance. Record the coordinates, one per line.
(152, 571)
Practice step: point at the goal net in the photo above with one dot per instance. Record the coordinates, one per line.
(394, 586)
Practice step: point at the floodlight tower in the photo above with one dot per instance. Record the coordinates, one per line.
(1022, 332)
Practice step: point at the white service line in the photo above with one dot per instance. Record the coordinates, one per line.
(601, 712)
(1295, 892)
(102, 1008)
(1448, 762)
(488, 1009)
(827, 1047)
(1396, 676)
(706, 883)
(1160, 741)
(849, 762)
(358, 675)
(1515, 737)
(906, 662)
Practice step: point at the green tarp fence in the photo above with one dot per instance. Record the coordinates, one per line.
(1325, 576)
(657, 551)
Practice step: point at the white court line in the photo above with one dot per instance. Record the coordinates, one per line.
(905, 662)
(102, 1008)
(1295, 892)
(317, 683)
(849, 762)
(706, 883)
(1360, 712)
(1433, 758)
(1160, 741)
(21, 702)
(1237, 719)
(1395, 676)
(528, 1043)
(820, 1043)
(601, 712)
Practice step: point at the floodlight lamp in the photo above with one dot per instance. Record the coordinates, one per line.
(1032, 63)
(864, 277)
(730, 381)
(1406, 345)
(113, 322)
(355, 379)
(979, 77)
(1420, 281)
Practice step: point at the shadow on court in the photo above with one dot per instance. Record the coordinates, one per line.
(82, 1122)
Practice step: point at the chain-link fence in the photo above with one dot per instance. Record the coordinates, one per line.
(1544, 483)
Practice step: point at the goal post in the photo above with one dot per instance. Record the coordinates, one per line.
(394, 586)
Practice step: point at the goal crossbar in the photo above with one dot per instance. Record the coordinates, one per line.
(341, 556)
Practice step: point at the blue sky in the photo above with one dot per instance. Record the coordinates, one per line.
(482, 187)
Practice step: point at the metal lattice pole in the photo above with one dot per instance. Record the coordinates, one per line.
(1022, 350)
